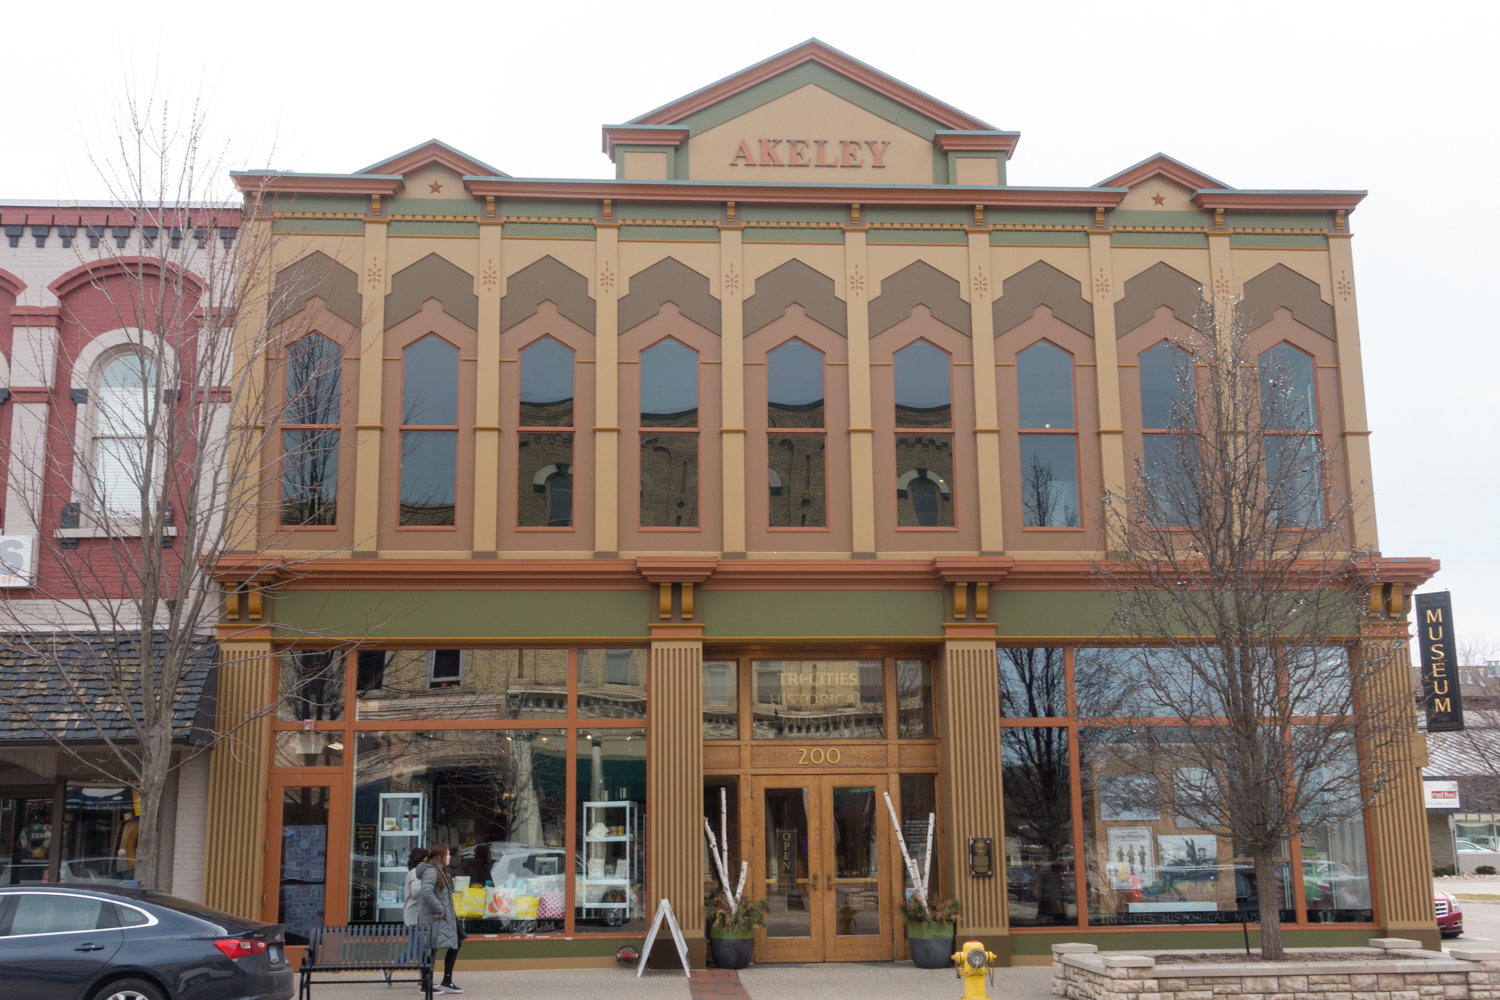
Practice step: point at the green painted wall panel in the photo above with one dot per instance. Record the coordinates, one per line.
(1271, 241)
(469, 229)
(434, 206)
(582, 946)
(657, 210)
(794, 236)
(1159, 938)
(773, 613)
(564, 209)
(694, 234)
(1012, 237)
(1038, 217)
(936, 237)
(1082, 613)
(1197, 241)
(316, 203)
(548, 230)
(477, 614)
(793, 213)
(1276, 220)
(896, 213)
(319, 227)
(1150, 218)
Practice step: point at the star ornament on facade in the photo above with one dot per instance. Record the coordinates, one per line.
(435, 188)
(1159, 199)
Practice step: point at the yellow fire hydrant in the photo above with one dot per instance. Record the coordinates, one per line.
(973, 963)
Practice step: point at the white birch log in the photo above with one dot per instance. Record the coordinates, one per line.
(911, 867)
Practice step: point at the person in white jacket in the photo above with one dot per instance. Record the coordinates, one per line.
(411, 900)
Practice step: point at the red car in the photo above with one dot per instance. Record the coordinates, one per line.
(1450, 919)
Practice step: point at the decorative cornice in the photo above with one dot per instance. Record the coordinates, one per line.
(793, 194)
(251, 181)
(1277, 201)
(643, 135)
(991, 140)
(1003, 573)
(35, 316)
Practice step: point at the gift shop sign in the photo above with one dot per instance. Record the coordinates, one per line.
(17, 560)
(840, 153)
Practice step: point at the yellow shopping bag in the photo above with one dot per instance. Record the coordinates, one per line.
(469, 904)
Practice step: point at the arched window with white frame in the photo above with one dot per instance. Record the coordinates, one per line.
(126, 410)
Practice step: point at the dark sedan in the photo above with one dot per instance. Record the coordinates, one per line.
(68, 942)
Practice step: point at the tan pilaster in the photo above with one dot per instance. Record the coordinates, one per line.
(857, 287)
(368, 430)
(1399, 850)
(1220, 289)
(247, 408)
(674, 768)
(1352, 393)
(487, 391)
(986, 407)
(968, 691)
(732, 351)
(606, 282)
(1106, 369)
(237, 771)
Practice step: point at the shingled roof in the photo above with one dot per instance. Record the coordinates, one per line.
(26, 672)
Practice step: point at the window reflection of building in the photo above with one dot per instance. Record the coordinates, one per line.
(720, 700)
(818, 699)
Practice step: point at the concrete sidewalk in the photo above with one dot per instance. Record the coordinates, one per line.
(868, 981)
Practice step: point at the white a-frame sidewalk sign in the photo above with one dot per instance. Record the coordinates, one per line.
(664, 910)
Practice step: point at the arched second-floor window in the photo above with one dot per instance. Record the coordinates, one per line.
(1049, 437)
(924, 437)
(795, 437)
(1294, 448)
(669, 436)
(544, 480)
(127, 410)
(1169, 442)
(310, 433)
(429, 433)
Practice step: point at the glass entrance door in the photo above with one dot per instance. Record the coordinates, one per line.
(822, 851)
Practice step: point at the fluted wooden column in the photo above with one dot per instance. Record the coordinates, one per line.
(238, 768)
(969, 703)
(674, 769)
(1400, 856)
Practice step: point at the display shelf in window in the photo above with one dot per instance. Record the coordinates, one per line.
(402, 820)
(609, 880)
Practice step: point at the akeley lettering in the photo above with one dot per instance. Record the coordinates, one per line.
(1445, 705)
(814, 153)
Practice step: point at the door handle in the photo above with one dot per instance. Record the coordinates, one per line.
(830, 882)
(89, 947)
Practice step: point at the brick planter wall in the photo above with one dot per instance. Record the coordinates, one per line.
(1390, 969)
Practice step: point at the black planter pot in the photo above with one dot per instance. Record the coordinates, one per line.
(930, 953)
(731, 953)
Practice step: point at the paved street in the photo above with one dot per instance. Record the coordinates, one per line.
(759, 982)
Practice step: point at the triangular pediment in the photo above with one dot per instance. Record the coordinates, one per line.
(429, 154)
(1165, 167)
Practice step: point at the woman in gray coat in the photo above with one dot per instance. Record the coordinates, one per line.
(436, 911)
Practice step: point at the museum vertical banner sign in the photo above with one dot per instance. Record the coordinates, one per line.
(1440, 694)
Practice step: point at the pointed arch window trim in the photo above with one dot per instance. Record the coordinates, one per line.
(796, 430)
(935, 501)
(555, 441)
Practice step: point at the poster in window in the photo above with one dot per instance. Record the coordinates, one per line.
(1185, 853)
(1130, 863)
(1128, 798)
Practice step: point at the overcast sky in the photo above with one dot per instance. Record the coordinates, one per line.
(1399, 100)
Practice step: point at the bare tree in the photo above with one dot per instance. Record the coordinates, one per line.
(164, 475)
(1231, 555)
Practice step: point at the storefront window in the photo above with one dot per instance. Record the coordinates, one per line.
(462, 684)
(312, 686)
(100, 831)
(497, 798)
(304, 862)
(26, 839)
(914, 698)
(720, 700)
(1032, 683)
(721, 808)
(818, 700)
(611, 683)
(310, 748)
(610, 874)
(918, 805)
(1039, 868)
(1147, 861)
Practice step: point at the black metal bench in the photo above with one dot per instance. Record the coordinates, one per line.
(367, 948)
